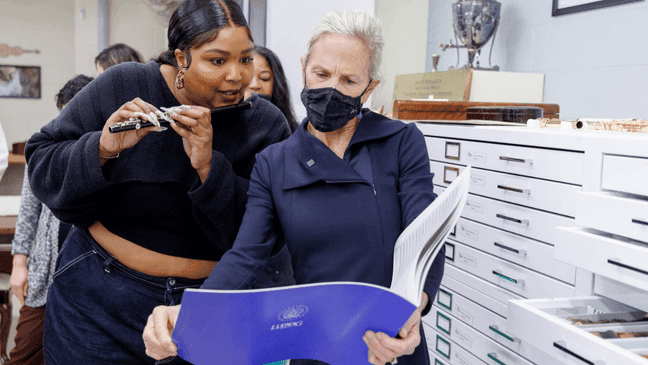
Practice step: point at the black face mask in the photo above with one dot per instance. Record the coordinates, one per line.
(328, 109)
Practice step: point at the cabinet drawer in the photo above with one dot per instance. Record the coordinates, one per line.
(625, 174)
(515, 278)
(617, 258)
(479, 345)
(520, 250)
(540, 194)
(435, 360)
(450, 286)
(621, 292)
(479, 288)
(611, 213)
(556, 165)
(544, 323)
(448, 351)
(486, 322)
(514, 218)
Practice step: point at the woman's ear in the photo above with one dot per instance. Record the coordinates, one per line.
(370, 89)
(181, 58)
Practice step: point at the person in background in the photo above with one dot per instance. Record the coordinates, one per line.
(116, 54)
(35, 246)
(154, 211)
(270, 79)
(4, 153)
(339, 191)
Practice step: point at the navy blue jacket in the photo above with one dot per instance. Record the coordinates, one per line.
(340, 218)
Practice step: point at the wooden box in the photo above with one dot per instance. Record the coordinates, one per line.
(455, 110)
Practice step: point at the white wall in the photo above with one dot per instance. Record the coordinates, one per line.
(404, 27)
(594, 61)
(86, 36)
(290, 24)
(49, 27)
(134, 23)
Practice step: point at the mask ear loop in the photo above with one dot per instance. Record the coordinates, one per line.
(365, 90)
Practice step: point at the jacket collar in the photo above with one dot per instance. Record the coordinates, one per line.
(308, 160)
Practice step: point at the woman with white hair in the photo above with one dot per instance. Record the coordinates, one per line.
(339, 191)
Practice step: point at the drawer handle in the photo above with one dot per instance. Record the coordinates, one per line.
(640, 221)
(502, 246)
(513, 159)
(560, 345)
(499, 274)
(617, 263)
(495, 329)
(514, 220)
(493, 356)
(515, 190)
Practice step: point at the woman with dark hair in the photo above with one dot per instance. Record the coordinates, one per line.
(155, 211)
(269, 82)
(116, 54)
(270, 79)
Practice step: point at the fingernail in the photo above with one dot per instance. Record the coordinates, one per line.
(366, 340)
(172, 349)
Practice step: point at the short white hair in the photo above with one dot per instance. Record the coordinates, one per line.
(358, 24)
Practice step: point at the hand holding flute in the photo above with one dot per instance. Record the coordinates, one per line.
(110, 145)
(192, 123)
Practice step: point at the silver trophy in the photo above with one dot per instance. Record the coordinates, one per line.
(474, 22)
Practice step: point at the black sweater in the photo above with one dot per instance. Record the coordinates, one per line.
(150, 195)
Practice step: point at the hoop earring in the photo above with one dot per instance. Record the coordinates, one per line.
(179, 81)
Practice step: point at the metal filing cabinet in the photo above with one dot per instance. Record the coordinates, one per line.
(550, 214)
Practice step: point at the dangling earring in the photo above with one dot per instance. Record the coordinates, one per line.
(179, 82)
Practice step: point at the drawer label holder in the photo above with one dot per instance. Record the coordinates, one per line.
(450, 251)
(445, 346)
(467, 317)
(453, 150)
(477, 156)
(450, 174)
(444, 299)
(444, 323)
(473, 234)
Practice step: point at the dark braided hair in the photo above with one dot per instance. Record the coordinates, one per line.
(196, 22)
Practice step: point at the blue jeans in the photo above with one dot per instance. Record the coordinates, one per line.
(97, 307)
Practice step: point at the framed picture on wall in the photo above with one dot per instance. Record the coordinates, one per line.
(22, 82)
(562, 7)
